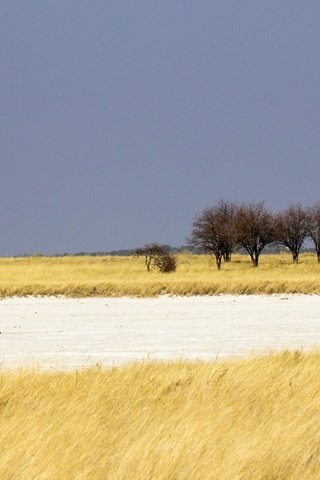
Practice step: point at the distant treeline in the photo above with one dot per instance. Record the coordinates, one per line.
(112, 253)
(273, 249)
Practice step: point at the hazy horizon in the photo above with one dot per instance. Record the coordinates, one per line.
(122, 120)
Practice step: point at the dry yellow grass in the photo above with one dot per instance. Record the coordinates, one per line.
(118, 276)
(245, 419)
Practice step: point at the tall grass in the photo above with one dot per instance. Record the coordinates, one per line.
(118, 276)
(251, 419)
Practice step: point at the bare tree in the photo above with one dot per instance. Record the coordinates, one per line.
(157, 255)
(292, 228)
(255, 229)
(314, 227)
(214, 232)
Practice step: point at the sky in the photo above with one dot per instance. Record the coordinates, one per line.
(121, 120)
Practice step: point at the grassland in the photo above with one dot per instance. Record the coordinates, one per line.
(118, 276)
(244, 419)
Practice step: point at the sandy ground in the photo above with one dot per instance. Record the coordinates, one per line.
(69, 333)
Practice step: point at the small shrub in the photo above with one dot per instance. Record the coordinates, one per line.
(158, 256)
(166, 263)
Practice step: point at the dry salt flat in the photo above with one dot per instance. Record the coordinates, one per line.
(69, 333)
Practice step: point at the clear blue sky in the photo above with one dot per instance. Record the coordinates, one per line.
(120, 120)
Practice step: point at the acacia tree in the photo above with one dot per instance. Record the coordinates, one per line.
(255, 229)
(292, 228)
(228, 212)
(314, 227)
(214, 232)
(157, 255)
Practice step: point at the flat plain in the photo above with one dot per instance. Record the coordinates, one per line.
(185, 411)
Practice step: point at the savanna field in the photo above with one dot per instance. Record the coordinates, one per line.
(251, 419)
(247, 419)
(119, 276)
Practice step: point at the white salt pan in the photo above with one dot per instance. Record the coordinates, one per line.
(69, 333)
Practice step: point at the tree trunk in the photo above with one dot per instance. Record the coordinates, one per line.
(218, 261)
(148, 261)
(295, 257)
(227, 256)
(318, 255)
(255, 259)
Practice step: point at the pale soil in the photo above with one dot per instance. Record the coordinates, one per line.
(69, 333)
